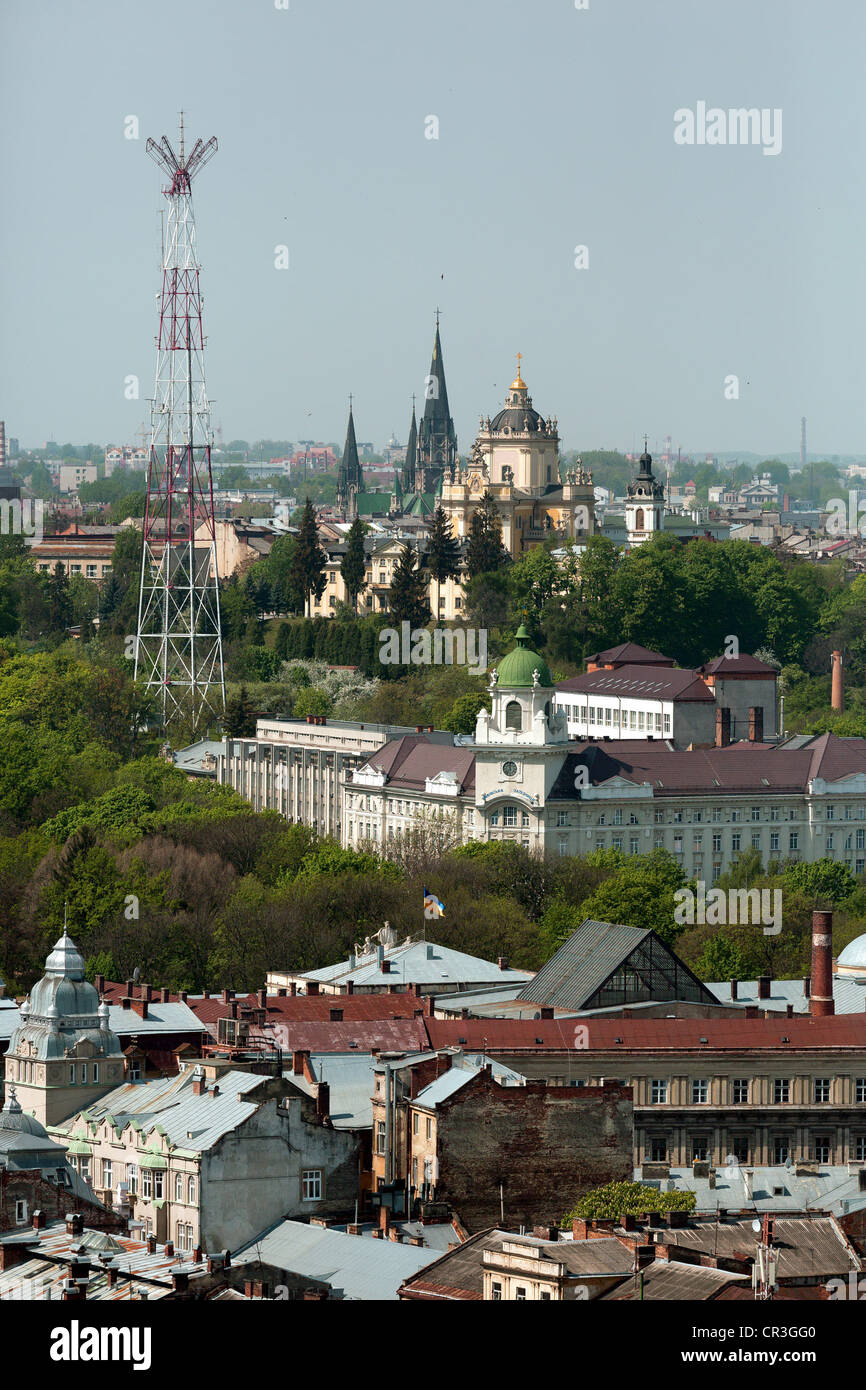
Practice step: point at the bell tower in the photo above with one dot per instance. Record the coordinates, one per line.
(645, 506)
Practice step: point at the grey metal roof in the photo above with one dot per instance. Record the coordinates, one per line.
(420, 962)
(44, 1276)
(669, 1280)
(806, 1246)
(189, 1121)
(350, 1076)
(354, 1267)
(161, 1018)
(849, 994)
(595, 952)
(777, 1188)
(463, 1070)
(582, 964)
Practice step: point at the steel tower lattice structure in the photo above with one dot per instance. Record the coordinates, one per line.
(178, 646)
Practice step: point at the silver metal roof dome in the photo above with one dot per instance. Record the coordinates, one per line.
(13, 1117)
(853, 958)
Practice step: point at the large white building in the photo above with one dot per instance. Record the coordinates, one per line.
(524, 780)
(629, 692)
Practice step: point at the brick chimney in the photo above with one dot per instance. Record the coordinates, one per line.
(764, 986)
(199, 1085)
(756, 724)
(139, 1006)
(74, 1224)
(723, 726)
(151, 1245)
(300, 1063)
(734, 988)
(323, 1101)
(821, 997)
(837, 694)
(312, 988)
(263, 998)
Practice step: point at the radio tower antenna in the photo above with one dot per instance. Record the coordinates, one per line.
(178, 645)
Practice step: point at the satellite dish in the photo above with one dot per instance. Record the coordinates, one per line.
(757, 1227)
(136, 974)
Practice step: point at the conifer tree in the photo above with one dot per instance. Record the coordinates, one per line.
(485, 551)
(443, 552)
(354, 563)
(308, 559)
(407, 596)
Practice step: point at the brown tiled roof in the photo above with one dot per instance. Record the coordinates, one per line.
(741, 767)
(408, 761)
(747, 666)
(630, 652)
(650, 683)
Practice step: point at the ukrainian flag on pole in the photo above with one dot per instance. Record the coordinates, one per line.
(432, 906)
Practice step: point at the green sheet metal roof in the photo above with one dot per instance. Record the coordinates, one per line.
(517, 667)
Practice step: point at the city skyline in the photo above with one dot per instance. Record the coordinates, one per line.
(394, 190)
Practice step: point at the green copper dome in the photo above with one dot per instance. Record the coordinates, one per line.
(517, 667)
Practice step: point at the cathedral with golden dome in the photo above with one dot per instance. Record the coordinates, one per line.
(515, 459)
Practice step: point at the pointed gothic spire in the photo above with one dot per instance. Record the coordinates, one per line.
(350, 474)
(437, 439)
(408, 473)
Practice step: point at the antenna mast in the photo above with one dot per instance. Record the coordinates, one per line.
(178, 646)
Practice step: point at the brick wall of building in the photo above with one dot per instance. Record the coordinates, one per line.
(53, 1201)
(545, 1145)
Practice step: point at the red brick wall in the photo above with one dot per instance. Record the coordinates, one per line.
(547, 1145)
(44, 1196)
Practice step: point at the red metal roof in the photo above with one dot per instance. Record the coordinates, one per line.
(388, 1035)
(649, 1034)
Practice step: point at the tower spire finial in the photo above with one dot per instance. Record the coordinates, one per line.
(181, 139)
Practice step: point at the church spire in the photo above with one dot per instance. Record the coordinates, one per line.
(437, 439)
(350, 478)
(408, 472)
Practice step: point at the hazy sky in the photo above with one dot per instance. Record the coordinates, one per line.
(556, 130)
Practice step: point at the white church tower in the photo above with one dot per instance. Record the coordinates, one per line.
(645, 505)
(520, 748)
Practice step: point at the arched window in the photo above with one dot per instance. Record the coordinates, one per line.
(638, 519)
(178, 1187)
(192, 1192)
(513, 715)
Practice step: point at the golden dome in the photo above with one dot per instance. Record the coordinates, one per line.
(518, 384)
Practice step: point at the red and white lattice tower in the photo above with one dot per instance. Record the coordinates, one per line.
(178, 648)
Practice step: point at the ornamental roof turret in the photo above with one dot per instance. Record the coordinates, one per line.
(523, 668)
(63, 1009)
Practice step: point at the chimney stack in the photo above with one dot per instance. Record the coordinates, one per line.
(323, 1101)
(756, 724)
(837, 696)
(821, 998)
(734, 988)
(723, 726)
(764, 986)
